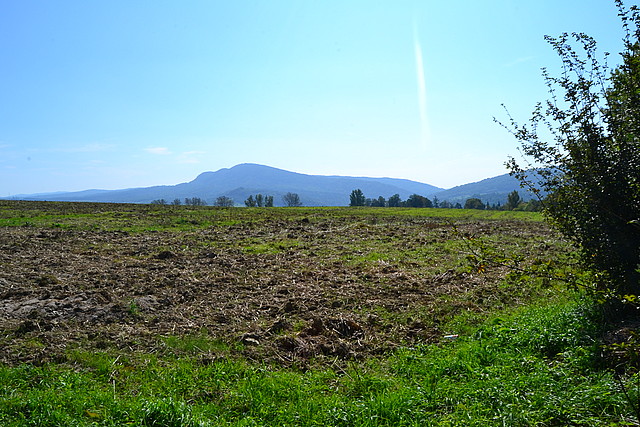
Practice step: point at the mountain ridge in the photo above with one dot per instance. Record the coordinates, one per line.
(245, 179)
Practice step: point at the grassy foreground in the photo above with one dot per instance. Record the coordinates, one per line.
(529, 354)
(538, 366)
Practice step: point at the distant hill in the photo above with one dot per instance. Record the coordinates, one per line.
(241, 181)
(492, 190)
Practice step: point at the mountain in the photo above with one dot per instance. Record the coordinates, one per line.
(241, 181)
(492, 190)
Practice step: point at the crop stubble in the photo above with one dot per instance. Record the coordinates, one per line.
(286, 289)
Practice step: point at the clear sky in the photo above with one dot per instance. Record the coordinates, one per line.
(117, 94)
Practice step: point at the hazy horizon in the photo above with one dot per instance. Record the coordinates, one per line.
(230, 167)
(123, 95)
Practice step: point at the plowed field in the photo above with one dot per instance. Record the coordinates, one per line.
(290, 286)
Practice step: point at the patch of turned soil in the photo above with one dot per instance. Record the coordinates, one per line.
(283, 291)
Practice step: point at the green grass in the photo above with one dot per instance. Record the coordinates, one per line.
(539, 365)
(142, 218)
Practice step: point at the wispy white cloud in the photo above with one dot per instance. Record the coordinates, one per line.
(159, 151)
(190, 156)
(182, 157)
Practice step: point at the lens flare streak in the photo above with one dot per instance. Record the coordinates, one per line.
(425, 131)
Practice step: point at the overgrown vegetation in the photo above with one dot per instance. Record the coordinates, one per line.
(584, 155)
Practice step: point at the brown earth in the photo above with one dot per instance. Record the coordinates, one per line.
(283, 290)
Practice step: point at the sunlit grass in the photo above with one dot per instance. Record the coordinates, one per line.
(537, 366)
(141, 218)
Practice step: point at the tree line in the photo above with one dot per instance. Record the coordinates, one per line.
(253, 201)
(357, 198)
(188, 201)
(514, 202)
(260, 201)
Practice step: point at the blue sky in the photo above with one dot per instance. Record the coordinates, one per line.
(125, 94)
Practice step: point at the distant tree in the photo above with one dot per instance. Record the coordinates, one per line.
(394, 201)
(458, 206)
(291, 200)
(474, 203)
(357, 198)
(436, 202)
(194, 201)
(159, 202)
(176, 202)
(259, 201)
(513, 200)
(446, 204)
(418, 201)
(532, 205)
(224, 202)
(414, 201)
(380, 202)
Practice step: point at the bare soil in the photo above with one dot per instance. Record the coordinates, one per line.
(283, 290)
